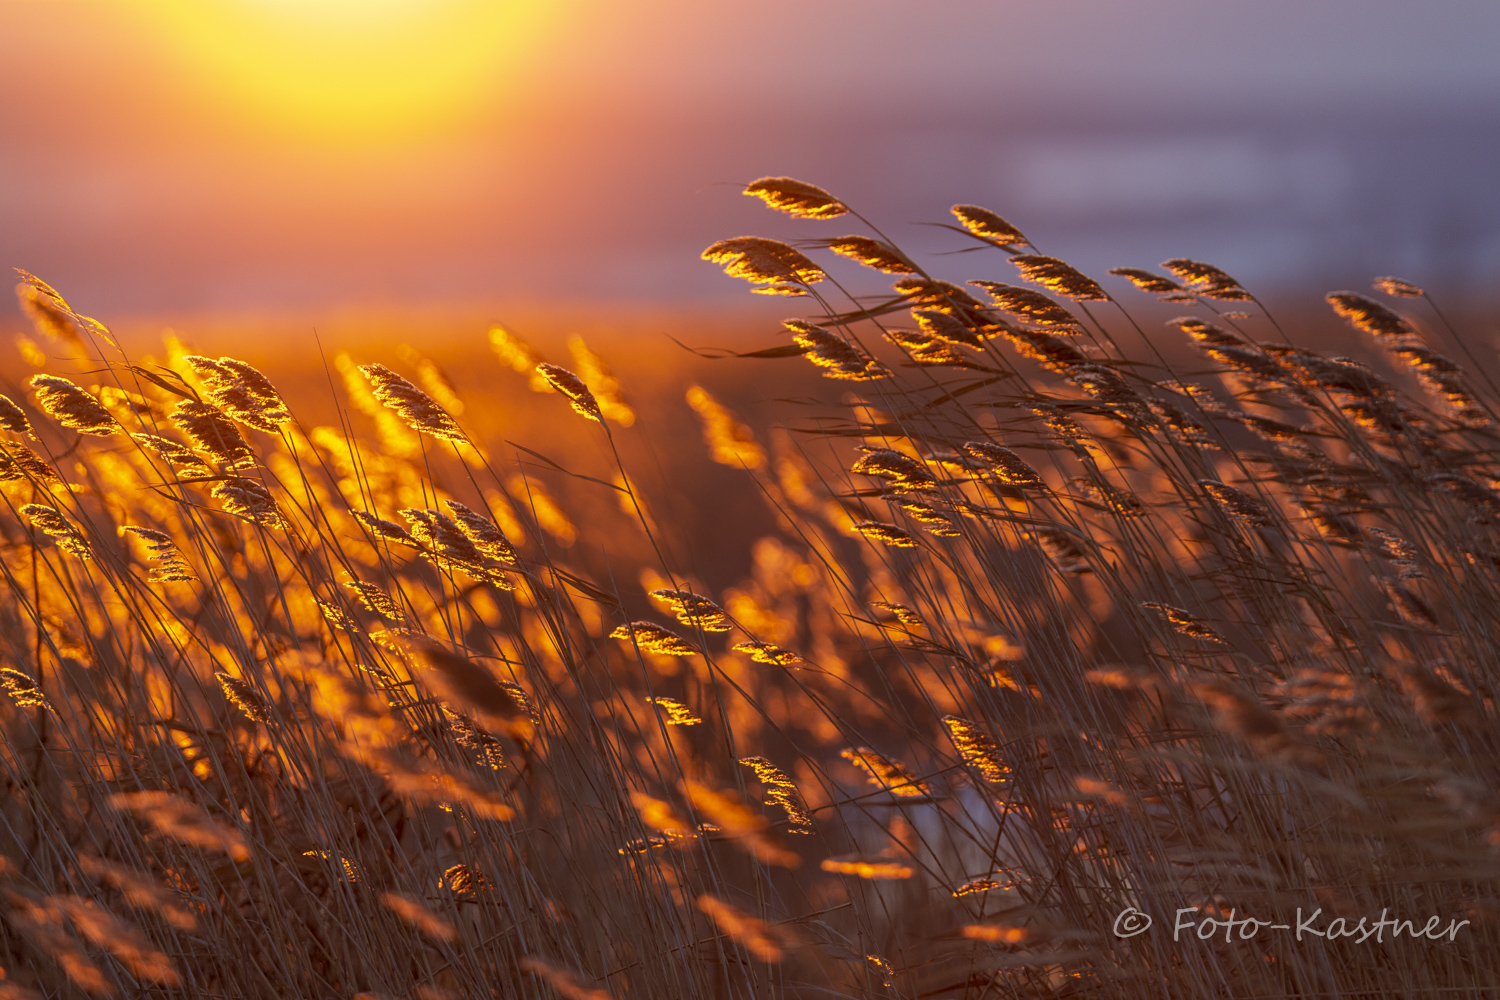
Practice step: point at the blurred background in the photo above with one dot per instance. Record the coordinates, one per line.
(168, 159)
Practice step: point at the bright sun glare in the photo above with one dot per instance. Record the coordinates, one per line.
(352, 69)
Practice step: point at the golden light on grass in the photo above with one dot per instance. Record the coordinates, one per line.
(296, 709)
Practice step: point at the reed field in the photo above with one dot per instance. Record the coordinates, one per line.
(930, 647)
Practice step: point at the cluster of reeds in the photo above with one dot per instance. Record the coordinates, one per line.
(1047, 634)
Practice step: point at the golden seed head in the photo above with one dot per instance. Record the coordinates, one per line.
(1146, 281)
(72, 406)
(872, 253)
(886, 534)
(677, 713)
(1030, 306)
(927, 350)
(49, 314)
(1062, 550)
(902, 471)
(943, 326)
(885, 772)
(654, 638)
(1060, 277)
(419, 410)
(573, 387)
(1397, 288)
(1238, 504)
(837, 358)
(241, 391)
(484, 533)
(781, 791)
(19, 462)
(935, 294)
(763, 262)
(794, 197)
(1004, 465)
(977, 748)
(1369, 316)
(22, 688)
(161, 549)
(212, 432)
(1184, 622)
(389, 530)
(764, 652)
(1207, 280)
(250, 499)
(50, 521)
(984, 223)
(695, 610)
(243, 697)
(606, 388)
(376, 600)
(903, 614)
(13, 418)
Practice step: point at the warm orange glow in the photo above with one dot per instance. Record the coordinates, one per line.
(351, 69)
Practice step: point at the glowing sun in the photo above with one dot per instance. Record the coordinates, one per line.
(351, 68)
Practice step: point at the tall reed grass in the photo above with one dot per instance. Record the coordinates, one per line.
(1047, 634)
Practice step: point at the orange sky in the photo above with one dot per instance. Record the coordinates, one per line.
(182, 155)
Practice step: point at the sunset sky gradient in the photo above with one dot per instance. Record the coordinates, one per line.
(170, 156)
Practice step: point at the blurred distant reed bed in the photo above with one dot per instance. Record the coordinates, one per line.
(1038, 634)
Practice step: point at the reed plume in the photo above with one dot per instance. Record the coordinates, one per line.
(794, 197)
(72, 407)
(418, 410)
